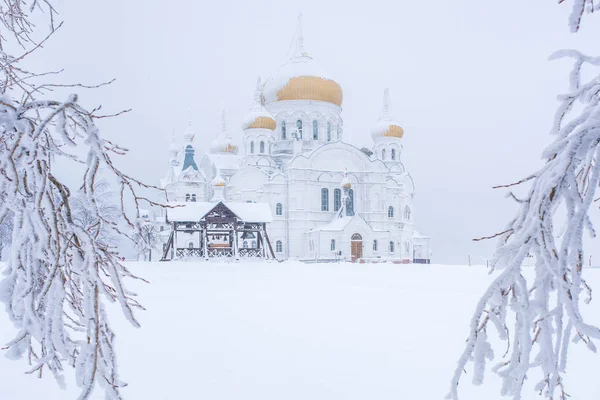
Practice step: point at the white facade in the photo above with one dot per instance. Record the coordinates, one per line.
(294, 158)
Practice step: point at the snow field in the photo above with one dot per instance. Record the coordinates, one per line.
(292, 331)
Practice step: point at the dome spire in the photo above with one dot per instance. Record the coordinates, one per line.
(385, 112)
(258, 93)
(300, 38)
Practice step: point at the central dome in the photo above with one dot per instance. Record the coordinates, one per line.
(301, 78)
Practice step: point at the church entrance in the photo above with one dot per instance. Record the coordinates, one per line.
(356, 247)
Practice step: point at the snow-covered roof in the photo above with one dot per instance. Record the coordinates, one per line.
(225, 161)
(195, 211)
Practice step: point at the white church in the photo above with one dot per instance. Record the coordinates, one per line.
(295, 188)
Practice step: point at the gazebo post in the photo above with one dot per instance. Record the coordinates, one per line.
(235, 241)
(205, 244)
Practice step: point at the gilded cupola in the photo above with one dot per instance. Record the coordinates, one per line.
(223, 143)
(259, 117)
(301, 78)
(385, 127)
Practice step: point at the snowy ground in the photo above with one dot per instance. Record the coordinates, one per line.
(293, 331)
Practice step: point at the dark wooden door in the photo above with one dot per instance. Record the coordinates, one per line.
(356, 250)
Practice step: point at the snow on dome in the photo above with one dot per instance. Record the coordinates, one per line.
(346, 184)
(301, 78)
(259, 117)
(189, 133)
(223, 143)
(218, 180)
(385, 127)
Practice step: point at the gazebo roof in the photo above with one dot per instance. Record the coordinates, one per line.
(196, 211)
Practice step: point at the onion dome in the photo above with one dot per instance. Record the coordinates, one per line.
(189, 133)
(218, 181)
(301, 78)
(223, 143)
(259, 117)
(345, 183)
(386, 127)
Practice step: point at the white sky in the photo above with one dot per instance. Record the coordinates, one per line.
(469, 80)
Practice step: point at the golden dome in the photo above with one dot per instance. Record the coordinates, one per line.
(220, 184)
(263, 123)
(394, 131)
(311, 88)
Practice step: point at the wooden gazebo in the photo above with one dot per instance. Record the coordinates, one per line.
(218, 230)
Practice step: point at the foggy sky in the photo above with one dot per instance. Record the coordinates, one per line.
(470, 83)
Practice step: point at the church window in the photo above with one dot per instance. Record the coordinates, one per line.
(251, 147)
(188, 226)
(390, 212)
(375, 245)
(337, 199)
(315, 130)
(392, 247)
(279, 246)
(194, 197)
(393, 154)
(191, 245)
(350, 210)
(407, 212)
(324, 199)
(332, 244)
(254, 244)
(278, 209)
(383, 154)
(299, 126)
(245, 245)
(162, 228)
(283, 131)
(187, 197)
(329, 131)
(262, 147)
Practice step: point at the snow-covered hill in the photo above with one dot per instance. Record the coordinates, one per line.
(296, 332)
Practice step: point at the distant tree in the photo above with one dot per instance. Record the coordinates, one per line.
(542, 313)
(62, 271)
(6, 231)
(147, 240)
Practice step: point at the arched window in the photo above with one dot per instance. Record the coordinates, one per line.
(245, 245)
(337, 199)
(329, 131)
(278, 209)
(194, 197)
(251, 147)
(283, 133)
(187, 197)
(279, 246)
(383, 154)
(315, 130)
(392, 247)
(375, 245)
(332, 245)
(254, 244)
(191, 245)
(390, 212)
(393, 154)
(407, 212)
(299, 126)
(324, 199)
(262, 147)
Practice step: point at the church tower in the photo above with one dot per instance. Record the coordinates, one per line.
(387, 135)
(258, 133)
(306, 103)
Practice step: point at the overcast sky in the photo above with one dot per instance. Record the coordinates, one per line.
(469, 80)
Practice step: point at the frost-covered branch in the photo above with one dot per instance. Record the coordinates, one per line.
(580, 8)
(545, 308)
(63, 268)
